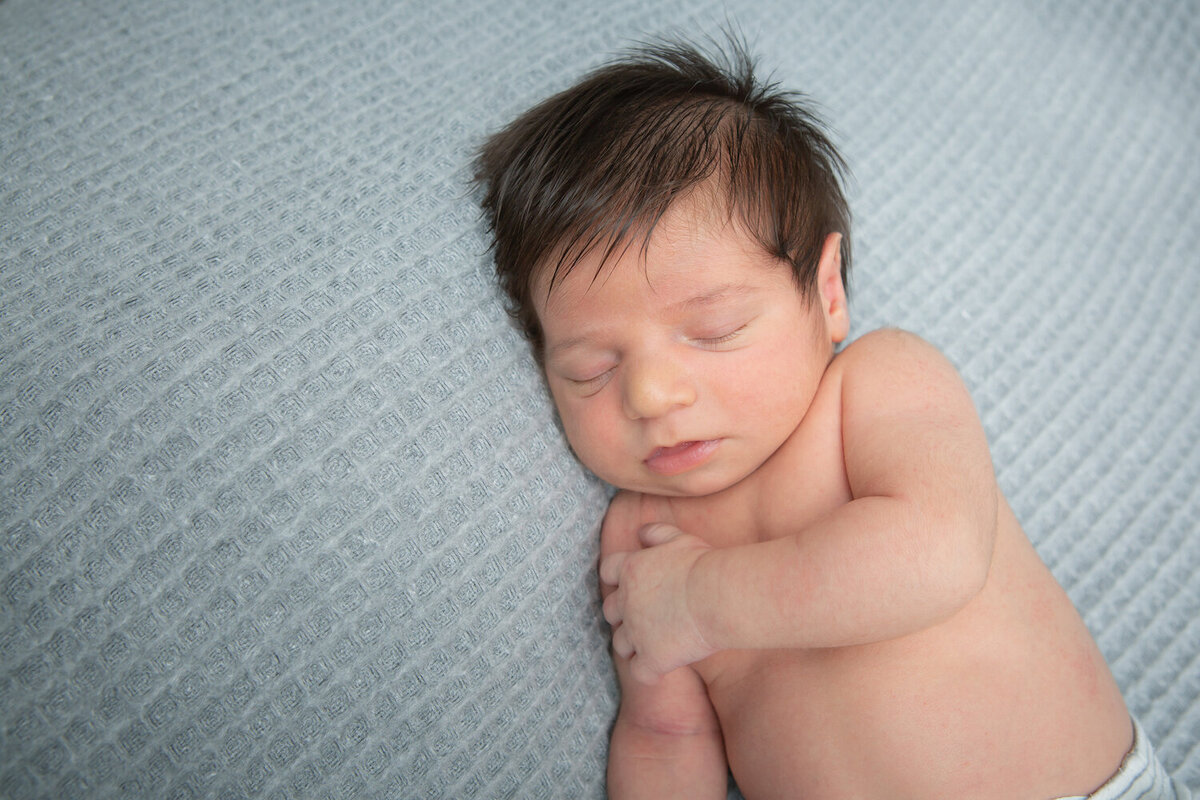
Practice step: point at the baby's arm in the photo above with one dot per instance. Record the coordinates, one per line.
(911, 549)
(667, 741)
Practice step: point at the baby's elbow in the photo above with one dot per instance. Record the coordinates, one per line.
(971, 559)
(972, 577)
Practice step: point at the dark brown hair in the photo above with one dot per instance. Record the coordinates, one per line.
(599, 163)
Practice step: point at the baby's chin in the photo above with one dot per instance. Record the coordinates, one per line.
(701, 483)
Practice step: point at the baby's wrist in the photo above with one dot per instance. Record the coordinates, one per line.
(703, 604)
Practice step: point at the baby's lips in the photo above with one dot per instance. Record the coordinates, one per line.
(677, 458)
(659, 451)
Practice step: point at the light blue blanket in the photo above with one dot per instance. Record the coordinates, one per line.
(284, 512)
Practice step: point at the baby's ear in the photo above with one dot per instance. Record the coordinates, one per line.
(831, 290)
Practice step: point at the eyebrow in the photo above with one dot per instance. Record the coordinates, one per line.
(564, 345)
(713, 296)
(705, 299)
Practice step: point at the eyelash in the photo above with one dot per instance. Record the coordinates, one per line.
(590, 381)
(723, 339)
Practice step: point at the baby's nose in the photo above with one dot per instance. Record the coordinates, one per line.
(655, 387)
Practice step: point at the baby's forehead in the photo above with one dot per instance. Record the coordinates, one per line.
(682, 276)
(687, 221)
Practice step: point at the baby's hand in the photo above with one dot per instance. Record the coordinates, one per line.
(652, 623)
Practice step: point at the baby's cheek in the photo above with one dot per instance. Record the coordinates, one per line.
(589, 437)
(604, 445)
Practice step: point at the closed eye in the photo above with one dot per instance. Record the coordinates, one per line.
(717, 341)
(593, 384)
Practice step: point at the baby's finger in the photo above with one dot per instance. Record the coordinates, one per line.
(657, 533)
(622, 644)
(610, 568)
(612, 610)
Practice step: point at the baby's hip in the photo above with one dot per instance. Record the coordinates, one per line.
(1141, 776)
(875, 719)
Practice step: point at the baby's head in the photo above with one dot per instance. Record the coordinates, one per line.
(594, 168)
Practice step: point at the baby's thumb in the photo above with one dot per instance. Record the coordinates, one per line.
(657, 533)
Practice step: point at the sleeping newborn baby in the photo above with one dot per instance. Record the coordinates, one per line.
(812, 577)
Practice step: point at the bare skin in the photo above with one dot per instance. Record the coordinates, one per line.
(812, 576)
(1008, 697)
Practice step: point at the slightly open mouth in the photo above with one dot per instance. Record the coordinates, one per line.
(681, 457)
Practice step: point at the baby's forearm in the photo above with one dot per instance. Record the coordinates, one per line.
(875, 569)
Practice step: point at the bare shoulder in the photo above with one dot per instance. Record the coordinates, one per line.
(894, 370)
(908, 422)
(889, 349)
